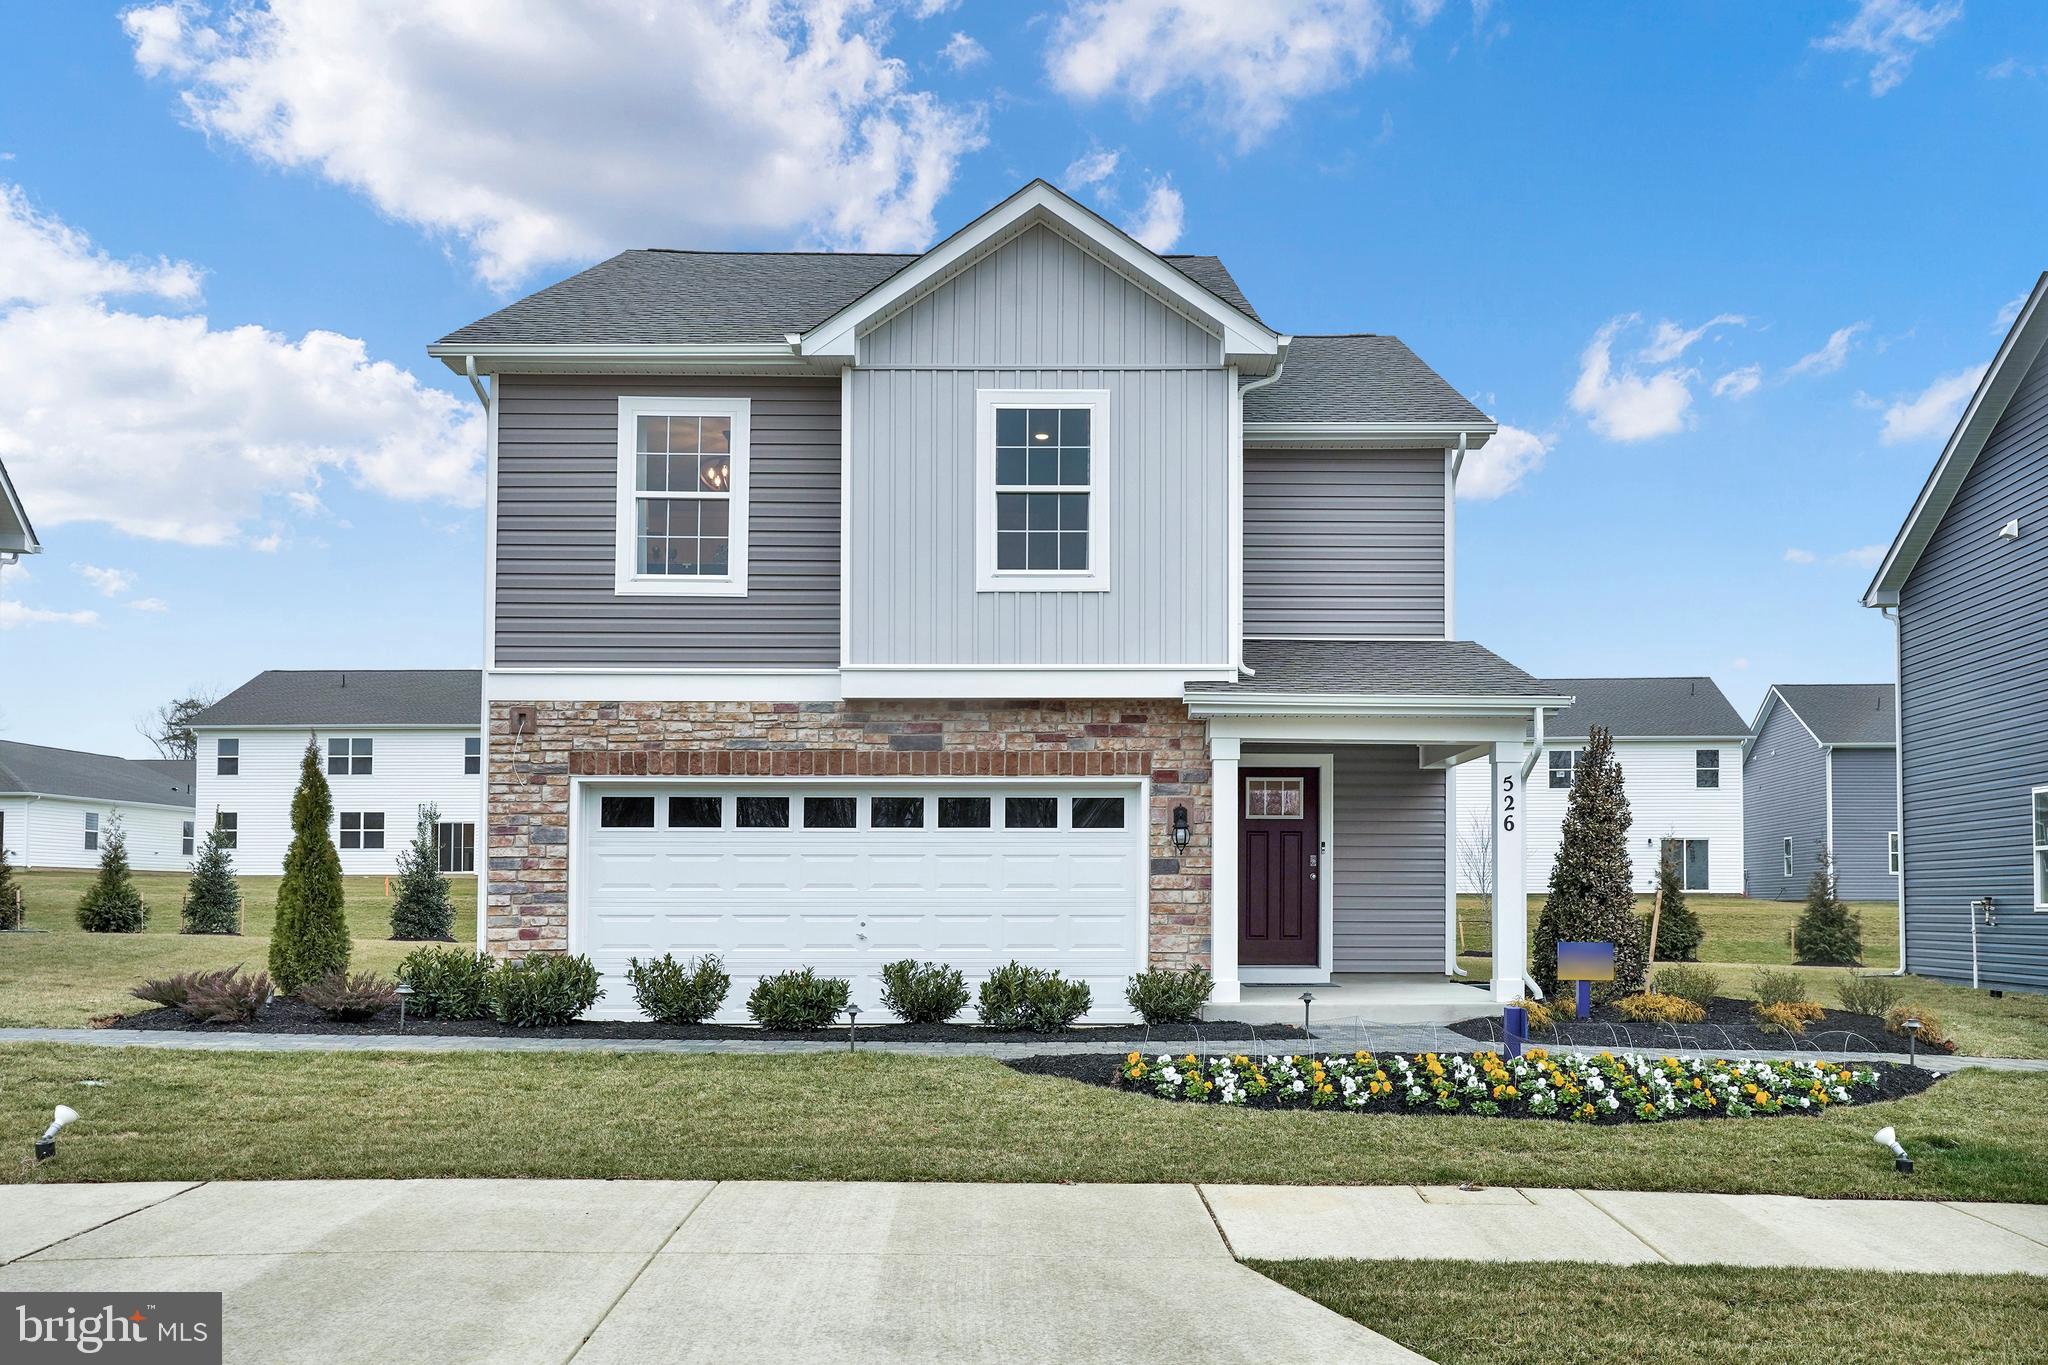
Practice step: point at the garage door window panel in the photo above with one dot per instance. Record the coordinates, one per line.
(964, 812)
(1098, 812)
(831, 812)
(896, 812)
(763, 812)
(1031, 812)
(626, 812)
(695, 812)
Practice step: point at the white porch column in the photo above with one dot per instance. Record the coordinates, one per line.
(1223, 880)
(1510, 892)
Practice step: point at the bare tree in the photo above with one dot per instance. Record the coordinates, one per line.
(169, 727)
(1475, 853)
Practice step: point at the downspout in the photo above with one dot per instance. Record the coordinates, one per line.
(1899, 778)
(1244, 669)
(482, 843)
(469, 368)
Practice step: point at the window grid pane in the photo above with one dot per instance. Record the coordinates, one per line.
(1043, 464)
(1031, 812)
(1098, 812)
(896, 812)
(831, 812)
(695, 812)
(963, 812)
(763, 812)
(683, 487)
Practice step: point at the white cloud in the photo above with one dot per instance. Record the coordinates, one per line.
(1833, 353)
(1160, 221)
(1862, 557)
(1625, 405)
(931, 9)
(1670, 341)
(2011, 67)
(1796, 555)
(2009, 313)
(149, 604)
(1739, 663)
(268, 544)
(106, 582)
(44, 261)
(1739, 383)
(14, 614)
(1247, 63)
(1933, 411)
(1890, 32)
(1091, 169)
(1499, 467)
(961, 52)
(167, 427)
(540, 133)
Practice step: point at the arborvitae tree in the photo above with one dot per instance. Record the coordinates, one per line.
(423, 908)
(1679, 934)
(112, 905)
(1828, 932)
(311, 938)
(213, 901)
(10, 894)
(1591, 897)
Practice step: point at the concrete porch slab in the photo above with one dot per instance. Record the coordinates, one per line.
(36, 1216)
(1402, 1222)
(1360, 998)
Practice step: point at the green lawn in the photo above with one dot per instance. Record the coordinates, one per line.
(1745, 935)
(1468, 1313)
(181, 1115)
(63, 976)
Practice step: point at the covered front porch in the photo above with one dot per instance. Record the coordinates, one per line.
(1335, 826)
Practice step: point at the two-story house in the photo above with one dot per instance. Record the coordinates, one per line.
(1966, 585)
(1028, 598)
(1820, 774)
(1679, 745)
(391, 742)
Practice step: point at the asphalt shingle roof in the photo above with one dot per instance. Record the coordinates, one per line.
(1641, 708)
(681, 298)
(1377, 668)
(1357, 379)
(328, 697)
(39, 769)
(1844, 713)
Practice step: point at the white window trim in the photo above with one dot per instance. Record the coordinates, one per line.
(627, 581)
(988, 578)
(2040, 886)
(1788, 857)
(1891, 852)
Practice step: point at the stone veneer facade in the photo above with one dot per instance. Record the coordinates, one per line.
(527, 821)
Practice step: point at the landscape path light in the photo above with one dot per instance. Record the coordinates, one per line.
(46, 1145)
(404, 992)
(1887, 1138)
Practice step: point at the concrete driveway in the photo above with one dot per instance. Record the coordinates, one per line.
(643, 1271)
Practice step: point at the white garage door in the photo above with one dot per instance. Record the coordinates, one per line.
(844, 879)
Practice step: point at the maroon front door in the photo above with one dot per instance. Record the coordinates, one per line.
(1279, 861)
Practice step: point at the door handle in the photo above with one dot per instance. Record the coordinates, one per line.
(1313, 859)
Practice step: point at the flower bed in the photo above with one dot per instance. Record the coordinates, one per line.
(1578, 1087)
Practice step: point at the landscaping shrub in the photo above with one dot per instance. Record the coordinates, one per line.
(311, 937)
(112, 905)
(1789, 1017)
(213, 901)
(10, 894)
(1779, 988)
(229, 997)
(1828, 931)
(923, 993)
(798, 1000)
(1166, 996)
(423, 907)
(1017, 998)
(169, 991)
(1679, 932)
(672, 992)
(350, 999)
(1932, 1033)
(1592, 897)
(447, 983)
(544, 990)
(1696, 984)
(1868, 993)
(1652, 1008)
(1545, 1014)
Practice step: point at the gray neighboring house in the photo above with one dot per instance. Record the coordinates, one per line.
(1966, 583)
(1818, 772)
(57, 805)
(17, 535)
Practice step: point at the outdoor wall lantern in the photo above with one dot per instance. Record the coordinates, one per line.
(1181, 834)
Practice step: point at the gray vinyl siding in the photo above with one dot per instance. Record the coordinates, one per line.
(1974, 709)
(1343, 543)
(1040, 313)
(1866, 812)
(556, 499)
(1784, 795)
(1390, 862)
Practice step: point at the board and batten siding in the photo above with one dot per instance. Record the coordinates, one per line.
(1040, 313)
(1866, 813)
(1660, 779)
(49, 831)
(1343, 543)
(409, 769)
(1973, 692)
(557, 499)
(1785, 796)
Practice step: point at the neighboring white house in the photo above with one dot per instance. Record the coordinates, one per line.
(390, 742)
(1679, 744)
(57, 805)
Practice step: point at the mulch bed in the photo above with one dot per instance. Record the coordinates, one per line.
(1894, 1082)
(289, 1016)
(1730, 1026)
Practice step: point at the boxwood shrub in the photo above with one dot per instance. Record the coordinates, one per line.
(1017, 998)
(923, 992)
(672, 992)
(447, 983)
(545, 990)
(798, 1000)
(1167, 996)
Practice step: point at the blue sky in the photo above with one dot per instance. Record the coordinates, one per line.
(1726, 270)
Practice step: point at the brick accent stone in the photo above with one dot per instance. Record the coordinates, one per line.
(527, 824)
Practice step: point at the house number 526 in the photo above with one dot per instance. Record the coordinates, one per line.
(1507, 803)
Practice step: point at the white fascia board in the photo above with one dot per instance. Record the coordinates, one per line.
(1353, 704)
(552, 358)
(1366, 435)
(111, 801)
(2016, 354)
(1040, 204)
(352, 726)
(661, 684)
(870, 681)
